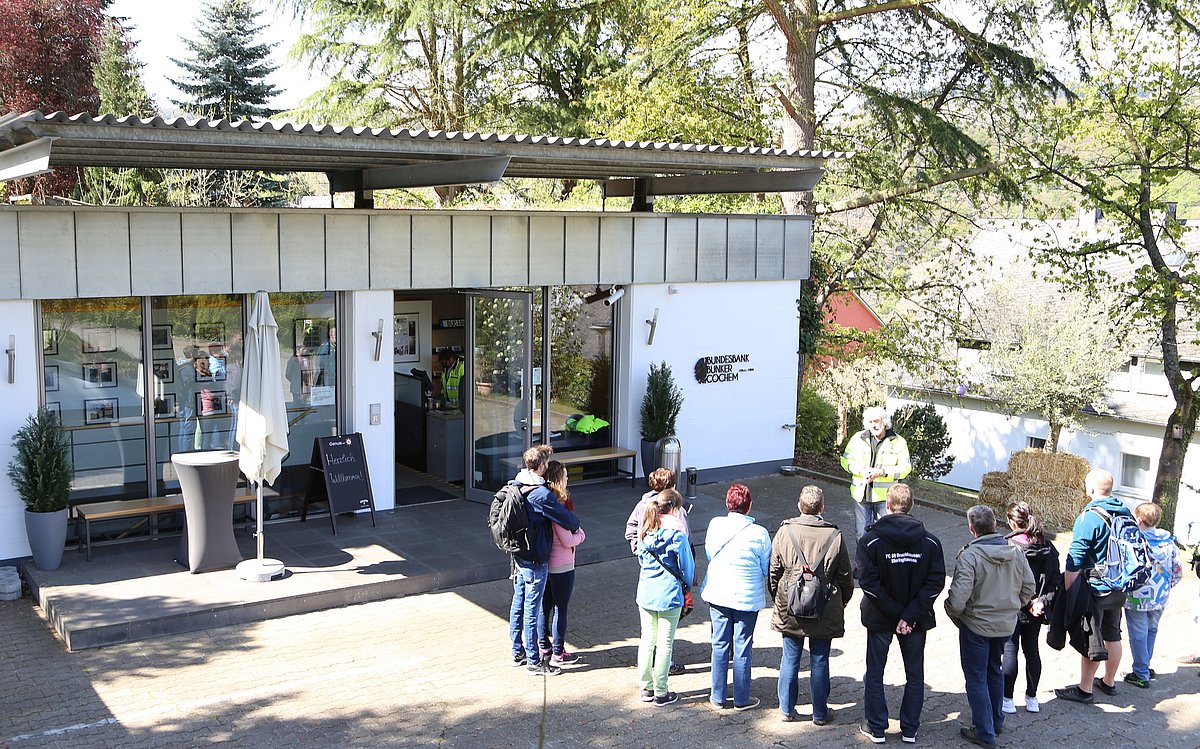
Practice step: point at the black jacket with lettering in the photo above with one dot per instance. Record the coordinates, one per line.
(901, 571)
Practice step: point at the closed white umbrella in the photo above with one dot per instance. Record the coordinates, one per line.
(262, 427)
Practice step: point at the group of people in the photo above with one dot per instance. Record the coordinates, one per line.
(1007, 585)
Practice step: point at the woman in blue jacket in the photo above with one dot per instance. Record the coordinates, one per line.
(666, 560)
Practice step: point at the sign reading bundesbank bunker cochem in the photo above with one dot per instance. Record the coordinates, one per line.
(723, 368)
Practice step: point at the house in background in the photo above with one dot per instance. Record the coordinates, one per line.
(846, 309)
(1126, 439)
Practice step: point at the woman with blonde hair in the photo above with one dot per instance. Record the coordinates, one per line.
(561, 579)
(667, 569)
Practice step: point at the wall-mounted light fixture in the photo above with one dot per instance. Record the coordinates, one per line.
(672, 289)
(609, 297)
(653, 323)
(12, 359)
(378, 339)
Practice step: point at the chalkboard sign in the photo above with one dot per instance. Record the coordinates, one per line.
(338, 476)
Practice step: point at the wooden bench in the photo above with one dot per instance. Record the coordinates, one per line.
(589, 455)
(129, 508)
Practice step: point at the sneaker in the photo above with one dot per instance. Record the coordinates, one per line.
(545, 668)
(969, 735)
(676, 669)
(1032, 705)
(876, 736)
(909, 739)
(1137, 681)
(1007, 706)
(564, 657)
(1109, 689)
(823, 721)
(1153, 675)
(647, 695)
(662, 700)
(753, 703)
(1074, 694)
(788, 717)
(518, 658)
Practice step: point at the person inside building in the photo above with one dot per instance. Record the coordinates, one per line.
(449, 381)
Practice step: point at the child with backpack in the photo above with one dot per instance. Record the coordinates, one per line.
(1144, 606)
(561, 580)
(1028, 536)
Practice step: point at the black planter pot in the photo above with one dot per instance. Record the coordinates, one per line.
(647, 459)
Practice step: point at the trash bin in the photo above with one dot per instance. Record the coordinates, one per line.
(668, 454)
(693, 477)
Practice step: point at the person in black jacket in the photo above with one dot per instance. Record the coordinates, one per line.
(1027, 535)
(901, 572)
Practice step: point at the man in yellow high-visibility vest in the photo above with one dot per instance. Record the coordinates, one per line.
(450, 379)
(876, 458)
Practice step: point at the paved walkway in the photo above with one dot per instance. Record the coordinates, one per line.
(432, 671)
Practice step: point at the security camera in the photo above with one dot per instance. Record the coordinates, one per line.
(616, 293)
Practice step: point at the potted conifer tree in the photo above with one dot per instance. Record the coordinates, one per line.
(660, 409)
(41, 473)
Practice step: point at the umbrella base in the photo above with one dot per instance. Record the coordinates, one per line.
(260, 570)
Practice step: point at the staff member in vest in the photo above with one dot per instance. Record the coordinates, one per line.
(876, 458)
(450, 379)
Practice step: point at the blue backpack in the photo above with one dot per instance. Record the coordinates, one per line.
(1128, 565)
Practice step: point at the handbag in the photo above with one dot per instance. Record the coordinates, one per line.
(689, 603)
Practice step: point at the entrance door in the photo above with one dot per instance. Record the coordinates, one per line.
(496, 397)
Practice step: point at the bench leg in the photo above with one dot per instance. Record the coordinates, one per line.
(87, 534)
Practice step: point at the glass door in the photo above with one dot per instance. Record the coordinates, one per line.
(497, 399)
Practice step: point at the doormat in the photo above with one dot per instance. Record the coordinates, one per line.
(419, 495)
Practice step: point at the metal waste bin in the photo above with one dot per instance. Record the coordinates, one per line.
(689, 487)
(668, 454)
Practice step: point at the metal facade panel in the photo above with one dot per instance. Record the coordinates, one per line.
(347, 254)
(769, 258)
(547, 253)
(255, 252)
(710, 249)
(207, 253)
(649, 250)
(156, 253)
(511, 250)
(471, 250)
(103, 268)
(740, 262)
(430, 251)
(582, 255)
(616, 249)
(391, 252)
(797, 247)
(47, 254)
(681, 249)
(302, 252)
(10, 257)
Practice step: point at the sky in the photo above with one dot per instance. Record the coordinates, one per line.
(158, 26)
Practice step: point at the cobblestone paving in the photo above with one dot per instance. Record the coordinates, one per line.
(433, 671)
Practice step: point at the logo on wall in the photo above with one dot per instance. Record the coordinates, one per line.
(722, 368)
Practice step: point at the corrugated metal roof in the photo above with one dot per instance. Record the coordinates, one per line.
(108, 140)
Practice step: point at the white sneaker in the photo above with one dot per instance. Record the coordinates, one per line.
(1007, 707)
(1032, 705)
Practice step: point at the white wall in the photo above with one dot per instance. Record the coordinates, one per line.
(371, 382)
(723, 423)
(17, 401)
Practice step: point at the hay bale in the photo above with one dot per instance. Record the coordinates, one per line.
(996, 497)
(1051, 469)
(1057, 506)
(996, 479)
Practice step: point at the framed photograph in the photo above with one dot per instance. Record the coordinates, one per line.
(55, 410)
(209, 332)
(49, 342)
(100, 375)
(50, 377)
(99, 340)
(213, 369)
(406, 346)
(100, 411)
(211, 403)
(165, 405)
(309, 335)
(160, 336)
(164, 371)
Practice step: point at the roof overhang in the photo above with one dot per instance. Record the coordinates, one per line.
(373, 158)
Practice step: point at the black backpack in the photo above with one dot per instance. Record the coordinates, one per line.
(809, 594)
(508, 519)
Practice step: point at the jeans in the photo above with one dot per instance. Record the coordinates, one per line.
(980, 657)
(732, 628)
(1143, 628)
(524, 618)
(654, 649)
(818, 675)
(554, 609)
(912, 649)
(866, 513)
(1026, 639)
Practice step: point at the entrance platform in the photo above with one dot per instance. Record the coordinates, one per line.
(136, 591)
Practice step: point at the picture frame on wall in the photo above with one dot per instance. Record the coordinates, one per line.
(55, 410)
(49, 342)
(165, 405)
(406, 337)
(160, 336)
(212, 403)
(100, 411)
(308, 335)
(99, 340)
(209, 332)
(217, 371)
(50, 378)
(100, 374)
(164, 371)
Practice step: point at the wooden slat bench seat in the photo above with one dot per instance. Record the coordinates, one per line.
(589, 455)
(129, 508)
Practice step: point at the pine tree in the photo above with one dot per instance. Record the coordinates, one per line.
(226, 72)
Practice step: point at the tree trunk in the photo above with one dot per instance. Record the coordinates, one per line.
(799, 132)
(1176, 436)
(1052, 443)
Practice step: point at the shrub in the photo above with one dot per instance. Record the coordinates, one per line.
(928, 439)
(816, 424)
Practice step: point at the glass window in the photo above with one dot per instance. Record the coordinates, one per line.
(1037, 443)
(1135, 472)
(581, 341)
(93, 378)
